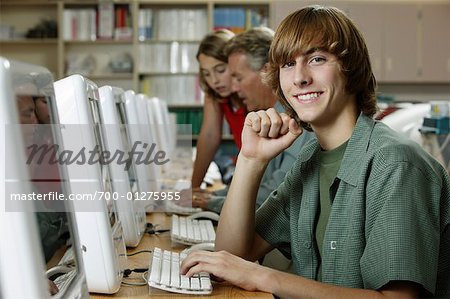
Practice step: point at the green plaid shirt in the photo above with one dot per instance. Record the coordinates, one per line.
(390, 215)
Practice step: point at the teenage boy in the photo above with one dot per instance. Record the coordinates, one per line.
(364, 212)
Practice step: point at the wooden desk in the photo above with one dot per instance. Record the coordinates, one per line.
(142, 260)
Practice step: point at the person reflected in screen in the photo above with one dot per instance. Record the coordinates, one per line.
(42, 111)
(27, 117)
(219, 102)
(52, 226)
(363, 213)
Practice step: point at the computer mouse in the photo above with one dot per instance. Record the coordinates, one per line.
(205, 215)
(201, 246)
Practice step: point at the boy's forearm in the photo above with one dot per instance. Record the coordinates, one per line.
(236, 229)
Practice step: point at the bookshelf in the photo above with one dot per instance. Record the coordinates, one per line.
(145, 45)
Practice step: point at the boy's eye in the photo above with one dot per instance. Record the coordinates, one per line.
(317, 59)
(288, 64)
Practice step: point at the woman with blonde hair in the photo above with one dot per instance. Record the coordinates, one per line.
(219, 102)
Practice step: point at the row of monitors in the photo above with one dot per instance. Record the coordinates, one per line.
(48, 129)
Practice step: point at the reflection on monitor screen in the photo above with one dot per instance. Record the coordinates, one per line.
(99, 228)
(156, 119)
(27, 107)
(149, 137)
(131, 215)
(137, 135)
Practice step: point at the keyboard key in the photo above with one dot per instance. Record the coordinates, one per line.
(174, 208)
(165, 275)
(192, 231)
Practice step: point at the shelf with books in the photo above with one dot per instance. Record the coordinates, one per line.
(161, 36)
(168, 39)
(97, 41)
(97, 20)
(239, 17)
(187, 21)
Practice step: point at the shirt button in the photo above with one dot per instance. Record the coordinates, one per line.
(307, 244)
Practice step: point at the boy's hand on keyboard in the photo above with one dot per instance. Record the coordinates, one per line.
(224, 266)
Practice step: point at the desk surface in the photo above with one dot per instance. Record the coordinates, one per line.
(142, 260)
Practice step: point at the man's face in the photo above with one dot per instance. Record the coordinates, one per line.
(247, 83)
(27, 116)
(42, 110)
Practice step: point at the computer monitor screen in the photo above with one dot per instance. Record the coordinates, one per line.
(149, 137)
(126, 141)
(100, 230)
(131, 215)
(137, 136)
(30, 118)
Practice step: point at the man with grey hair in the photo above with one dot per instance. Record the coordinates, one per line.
(247, 59)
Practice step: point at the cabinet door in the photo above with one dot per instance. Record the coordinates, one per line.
(435, 54)
(401, 42)
(282, 8)
(369, 19)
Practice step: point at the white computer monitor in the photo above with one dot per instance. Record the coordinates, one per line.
(145, 173)
(171, 128)
(34, 234)
(124, 178)
(100, 230)
(156, 117)
(149, 134)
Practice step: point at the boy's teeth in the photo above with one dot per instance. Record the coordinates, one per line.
(308, 96)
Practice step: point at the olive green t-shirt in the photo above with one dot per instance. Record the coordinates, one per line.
(330, 161)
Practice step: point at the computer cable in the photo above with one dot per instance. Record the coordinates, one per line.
(58, 269)
(139, 252)
(151, 229)
(128, 272)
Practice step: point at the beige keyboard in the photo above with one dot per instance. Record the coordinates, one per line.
(165, 275)
(191, 231)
